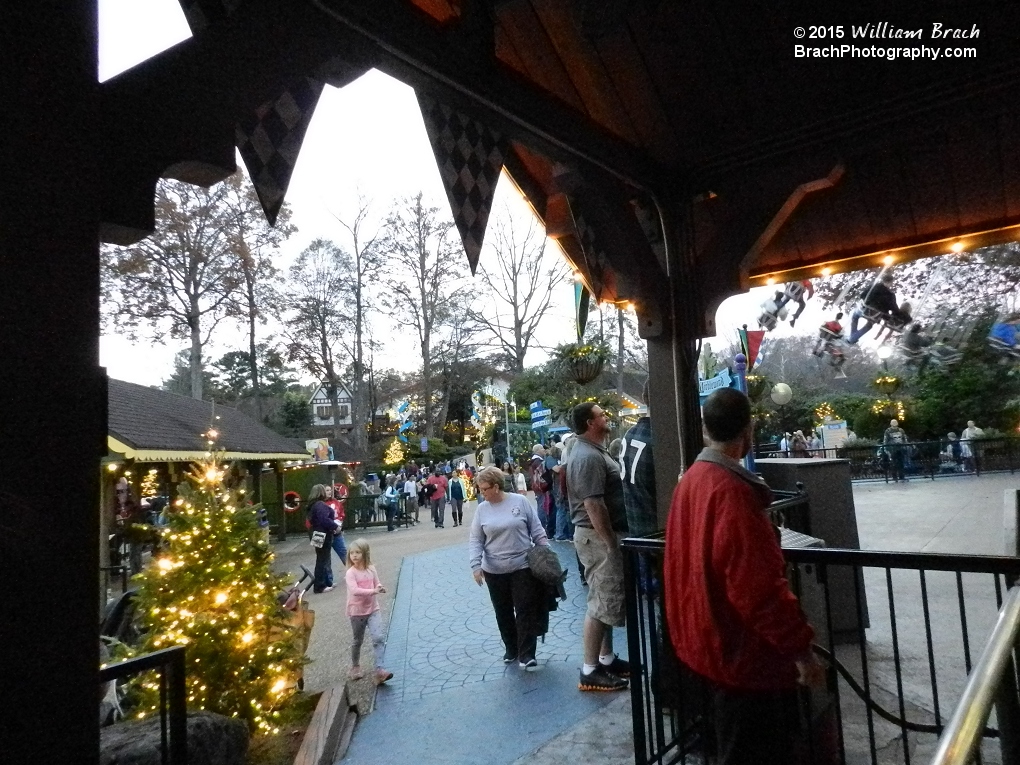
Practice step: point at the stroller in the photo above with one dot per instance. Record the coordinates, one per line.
(302, 618)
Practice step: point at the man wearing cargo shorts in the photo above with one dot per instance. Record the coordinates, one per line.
(595, 494)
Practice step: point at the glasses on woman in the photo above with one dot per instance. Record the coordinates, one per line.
(484, 487)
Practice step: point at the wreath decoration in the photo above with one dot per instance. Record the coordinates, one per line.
(291, 501)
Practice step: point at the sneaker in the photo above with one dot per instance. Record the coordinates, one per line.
(328, 589)
(529, 663)
(601, 680)
(508, 657)
(382, 675)
(619, 667)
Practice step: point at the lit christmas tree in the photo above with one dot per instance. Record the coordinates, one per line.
(215, 593)
(150, 483)
(394, 453)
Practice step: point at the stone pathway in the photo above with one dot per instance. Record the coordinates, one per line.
(453, 700)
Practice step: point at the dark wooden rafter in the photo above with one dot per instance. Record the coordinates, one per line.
(951, 185)
(627, 264)
(160, 120)
(417, 52)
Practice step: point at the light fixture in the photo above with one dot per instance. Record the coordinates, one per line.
(826, 271)
(781, 394)
(884, 352)
(957, 247)
(770, 281)
(888, 260)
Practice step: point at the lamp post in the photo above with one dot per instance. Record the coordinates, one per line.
(740, 367)
(781, 395)
(507, 405)
(884, 352)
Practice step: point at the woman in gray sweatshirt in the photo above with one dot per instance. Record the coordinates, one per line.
(504, 529)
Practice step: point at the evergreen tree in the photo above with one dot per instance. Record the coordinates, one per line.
(214, 592)
(395, 453)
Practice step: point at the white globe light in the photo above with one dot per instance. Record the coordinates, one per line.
(782, 393)
(884, 352)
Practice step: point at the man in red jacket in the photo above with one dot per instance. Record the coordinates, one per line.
(732, 618)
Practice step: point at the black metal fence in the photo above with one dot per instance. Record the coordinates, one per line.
(899, 630)
(173, 705)
(921, 459)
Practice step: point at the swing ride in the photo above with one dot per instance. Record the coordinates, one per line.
(775, 309)
(1004, 337)
(940, 342)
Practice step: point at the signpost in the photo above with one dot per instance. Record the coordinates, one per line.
(722, 380)
(541, 418)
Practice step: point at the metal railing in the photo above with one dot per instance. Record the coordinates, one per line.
(173, 704)
(897, 629)
(993, 681)
(921, 459)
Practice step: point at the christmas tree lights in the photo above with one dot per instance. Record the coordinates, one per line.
(214, 591)
(394, 453)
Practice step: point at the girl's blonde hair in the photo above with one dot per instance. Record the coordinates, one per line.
(361, 545)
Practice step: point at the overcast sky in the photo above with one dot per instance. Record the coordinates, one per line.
(366, 138)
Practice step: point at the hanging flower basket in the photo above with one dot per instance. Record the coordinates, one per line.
(585, 370)
(582, 363)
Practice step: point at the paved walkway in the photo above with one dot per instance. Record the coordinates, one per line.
(453, 700)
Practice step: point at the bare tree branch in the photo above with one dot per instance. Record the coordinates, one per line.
(518, 288)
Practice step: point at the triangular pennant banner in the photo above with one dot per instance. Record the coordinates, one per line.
(754, 341)
(581, 301)
(470, 158)
(270, 140)
(204, 13)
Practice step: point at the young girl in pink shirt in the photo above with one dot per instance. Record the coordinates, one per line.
(363, 587)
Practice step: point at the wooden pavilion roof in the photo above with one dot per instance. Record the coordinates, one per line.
(602, 111)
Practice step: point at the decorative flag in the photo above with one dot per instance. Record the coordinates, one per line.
(470, 158)
(761, 353)
(270, 140)
(581, 301)
(750, 343)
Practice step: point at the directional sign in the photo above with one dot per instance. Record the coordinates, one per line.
(424, 445)
(535, 405)
(721, 380)
(536, 424)
(538, 414)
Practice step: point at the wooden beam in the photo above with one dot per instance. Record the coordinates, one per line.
(415, 50)
(786, 211)
(174, 115)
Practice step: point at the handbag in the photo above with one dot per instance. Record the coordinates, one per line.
(318, 539)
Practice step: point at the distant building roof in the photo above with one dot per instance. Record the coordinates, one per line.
(152, 425)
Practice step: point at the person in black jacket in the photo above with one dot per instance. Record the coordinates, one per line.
(880, 298)
(321, 518)
(639, 493)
